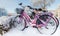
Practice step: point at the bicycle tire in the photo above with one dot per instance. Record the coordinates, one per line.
(55, 26)
(57, 21)
(24, 24)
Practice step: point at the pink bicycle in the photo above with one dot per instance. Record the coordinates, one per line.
(45, 22)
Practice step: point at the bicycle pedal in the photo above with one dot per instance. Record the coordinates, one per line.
(34, 26)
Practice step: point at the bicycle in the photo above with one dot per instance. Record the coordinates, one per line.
(45, 22)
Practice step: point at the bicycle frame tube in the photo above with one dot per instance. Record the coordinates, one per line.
(26, 16)
(28, 19)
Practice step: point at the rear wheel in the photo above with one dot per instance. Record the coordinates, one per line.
(57, 21)
(50, 28)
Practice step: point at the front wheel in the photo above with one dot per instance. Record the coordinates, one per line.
(19, 23)
(50, 28)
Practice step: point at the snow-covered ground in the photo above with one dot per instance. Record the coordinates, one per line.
(30, 31)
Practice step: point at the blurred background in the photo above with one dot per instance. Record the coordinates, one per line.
(9, 6)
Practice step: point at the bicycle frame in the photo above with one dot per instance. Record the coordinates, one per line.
(33, 21)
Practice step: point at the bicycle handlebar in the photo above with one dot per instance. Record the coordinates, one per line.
(25, 6)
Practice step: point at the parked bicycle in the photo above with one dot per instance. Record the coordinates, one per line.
(44, 22)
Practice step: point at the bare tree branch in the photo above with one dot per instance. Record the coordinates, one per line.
(42, 3)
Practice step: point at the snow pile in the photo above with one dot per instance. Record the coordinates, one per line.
(4, 20)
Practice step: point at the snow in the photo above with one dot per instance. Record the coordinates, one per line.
(30, 31)
(27, 32)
